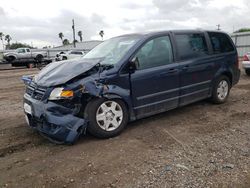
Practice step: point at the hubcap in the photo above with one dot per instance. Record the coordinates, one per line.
(109, 115)
(222, 90)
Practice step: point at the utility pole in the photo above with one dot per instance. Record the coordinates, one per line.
(74, 33)
(218, 27)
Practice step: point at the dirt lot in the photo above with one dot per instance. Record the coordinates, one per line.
(200, 145)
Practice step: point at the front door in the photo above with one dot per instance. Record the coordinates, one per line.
(155, 83)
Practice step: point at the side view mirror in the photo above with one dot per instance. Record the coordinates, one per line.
(134, 64)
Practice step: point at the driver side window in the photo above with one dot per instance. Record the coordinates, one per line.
(21, 51)
(156, 52)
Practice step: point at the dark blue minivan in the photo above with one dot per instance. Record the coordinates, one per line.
(127, 78)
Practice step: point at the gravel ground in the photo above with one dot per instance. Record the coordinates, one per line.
(200, 145)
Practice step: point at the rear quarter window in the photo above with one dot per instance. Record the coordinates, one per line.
(220, 43)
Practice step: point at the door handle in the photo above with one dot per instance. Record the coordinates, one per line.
(170, 71)
(185, 67)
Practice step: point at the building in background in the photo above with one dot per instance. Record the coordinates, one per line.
(242, 42)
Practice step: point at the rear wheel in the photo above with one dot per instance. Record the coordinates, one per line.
(107, 118)
(221, 90)
(39, 58)
(247, 71)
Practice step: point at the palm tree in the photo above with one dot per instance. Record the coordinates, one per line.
(1, 38)
(80, 35)
(61, 36)
(101, 33)
(65, 42)
(8, 39)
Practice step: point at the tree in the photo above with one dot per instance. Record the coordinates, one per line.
(1, 38)
(61, 36)
(65, 42)
(80, 35)
(101, 33)
(19, 45)
(242, 30)
(8, 39)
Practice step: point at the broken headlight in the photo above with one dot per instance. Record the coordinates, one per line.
(60, 93)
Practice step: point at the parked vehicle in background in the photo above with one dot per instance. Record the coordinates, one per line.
(130, 77)
(24, 57)
(246, 63)
(72, 54)
(59, 56)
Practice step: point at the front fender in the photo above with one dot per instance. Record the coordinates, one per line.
(115, 92)
(110, 92)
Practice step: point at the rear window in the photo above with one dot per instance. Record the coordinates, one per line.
(220, 43)
(191, 46)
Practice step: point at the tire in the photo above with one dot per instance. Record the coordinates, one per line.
(247, 72)
(10, 58)
(64, 58)
(98, 128)
(221, 90)
(39, 58)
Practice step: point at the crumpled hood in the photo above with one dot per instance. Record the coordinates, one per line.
(61, 72)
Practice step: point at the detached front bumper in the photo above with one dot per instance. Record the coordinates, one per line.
(54, 121)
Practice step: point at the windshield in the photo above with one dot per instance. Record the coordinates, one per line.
(111, 51)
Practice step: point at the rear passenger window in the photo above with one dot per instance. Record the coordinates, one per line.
(220, 43)
(191, 46)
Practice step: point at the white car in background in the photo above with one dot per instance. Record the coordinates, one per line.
(246, 63)
(72, 54)
(59, 56)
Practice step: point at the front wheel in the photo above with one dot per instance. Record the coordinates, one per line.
(221, 90)
(107, 118)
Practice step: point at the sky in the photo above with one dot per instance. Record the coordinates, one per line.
(39, 22)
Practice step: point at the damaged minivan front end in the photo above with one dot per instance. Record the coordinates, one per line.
(61, 100)
(54, 105)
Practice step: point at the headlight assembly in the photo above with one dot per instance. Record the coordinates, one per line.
(60, 93)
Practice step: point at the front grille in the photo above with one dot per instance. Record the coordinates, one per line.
(35, 91)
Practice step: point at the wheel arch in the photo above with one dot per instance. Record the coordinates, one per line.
(229, 75)
(11, 57)
(225, 72)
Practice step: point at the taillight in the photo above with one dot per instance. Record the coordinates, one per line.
(245, 58)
